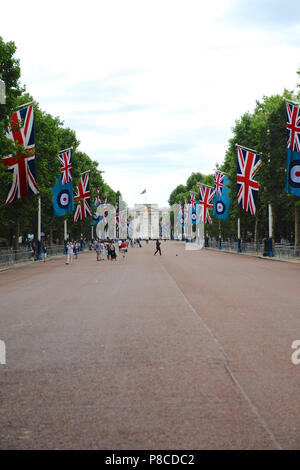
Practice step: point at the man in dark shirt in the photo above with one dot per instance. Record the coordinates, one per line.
(157, 247)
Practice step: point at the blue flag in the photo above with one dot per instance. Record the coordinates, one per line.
(292, 185)
(222, 203)
(96, 219)
(62, 198)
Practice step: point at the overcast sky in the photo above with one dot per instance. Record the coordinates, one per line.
(152, 88)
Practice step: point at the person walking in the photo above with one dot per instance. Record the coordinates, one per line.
(44, 251)
(98, 249)
(113, 254)
(123, 248)
(76, 249)
(70, 251)
(158, 247)
(102, 250)
(107, 249)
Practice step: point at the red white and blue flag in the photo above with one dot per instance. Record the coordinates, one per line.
(193, 215)
(97, 198)
(247, 166)
(65, 166)
(83, 195)
(219, 181)
(206, 195)
(193, 201)
(22, 165)
(293, 126)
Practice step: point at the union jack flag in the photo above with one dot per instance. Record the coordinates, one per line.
(206, 195)
(293, 127)
(65, 161)
(22, 165)
(219, 178)
(97, 198)
(247, 165)
(83, 195)
(193, 201)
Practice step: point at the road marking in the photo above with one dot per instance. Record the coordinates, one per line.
(227, 365)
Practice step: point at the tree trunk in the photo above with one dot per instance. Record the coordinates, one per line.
(51, 237)
(256, 230)
(16, 235)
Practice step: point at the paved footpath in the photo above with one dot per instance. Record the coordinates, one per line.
(190, 350)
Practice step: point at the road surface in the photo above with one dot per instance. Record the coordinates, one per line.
(190, 350)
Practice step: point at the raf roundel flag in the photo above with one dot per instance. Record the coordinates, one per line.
(293, 173)
(62, 198)
(222, 203)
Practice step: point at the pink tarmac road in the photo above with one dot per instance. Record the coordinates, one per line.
(174, 352)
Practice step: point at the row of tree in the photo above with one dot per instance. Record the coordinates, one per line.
(20, 217)
(265, 131)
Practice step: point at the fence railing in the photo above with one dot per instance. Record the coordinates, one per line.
(284, 251)
(9, 257)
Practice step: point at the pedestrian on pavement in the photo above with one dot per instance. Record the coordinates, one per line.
(70, 251)
(76, 249)
(123, 248)
(31, 251)
(157, 247)
(44, 251)
(102, 250)
(107, 249)
(98, 249)
(113, 254)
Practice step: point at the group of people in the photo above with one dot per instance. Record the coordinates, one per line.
(104, 249)
(38, 251)
(108, 249)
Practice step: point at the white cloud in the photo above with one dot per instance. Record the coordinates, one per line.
(135, 79)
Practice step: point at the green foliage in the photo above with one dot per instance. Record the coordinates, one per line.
(20, 217)
(264, 131)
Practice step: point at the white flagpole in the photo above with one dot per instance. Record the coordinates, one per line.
(239, 235)
(39, 217)
(65, 229)
(61, 151)
(290, 101)
(246, 148)
(25, 104)
(203, 184)
(271, 254)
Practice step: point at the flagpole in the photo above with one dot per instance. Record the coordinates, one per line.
(65, 230)
(203, 184)
(239, 235)
(64, 150)
(271, 254)
(246, 148)
(25, 104)
(39, 217)
(290, 101)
